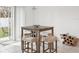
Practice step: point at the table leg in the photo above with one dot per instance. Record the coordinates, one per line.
(52, 35)
(52, 31)
(22, 42)
(38, 41)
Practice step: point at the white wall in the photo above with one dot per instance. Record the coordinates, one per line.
(23, 17)
(20, 21)
(64, 19)
(28, 15)
(67, 20)
(44, 16)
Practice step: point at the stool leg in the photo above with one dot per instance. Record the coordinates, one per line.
(49, 46)
(56, 46)
(32, 47)
(28, 47)
(36, 46)
(52, 46)
(25, 43)
(43, 47)
(22, 46)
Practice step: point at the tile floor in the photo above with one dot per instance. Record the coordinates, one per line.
(10, 47)
(15, 47)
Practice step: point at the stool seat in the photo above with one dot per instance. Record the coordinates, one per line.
(29, 39)
(45, 38)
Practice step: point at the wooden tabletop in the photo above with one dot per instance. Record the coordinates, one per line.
(40, 28)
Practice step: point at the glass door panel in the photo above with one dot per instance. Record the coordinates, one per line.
(5, 16)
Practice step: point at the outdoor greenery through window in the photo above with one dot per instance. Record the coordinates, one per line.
(4, 32)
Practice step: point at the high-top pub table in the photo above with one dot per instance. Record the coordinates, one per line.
(37, 29)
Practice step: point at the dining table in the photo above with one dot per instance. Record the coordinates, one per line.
(38, 29)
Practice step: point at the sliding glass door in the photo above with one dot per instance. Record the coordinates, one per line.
(5, 28)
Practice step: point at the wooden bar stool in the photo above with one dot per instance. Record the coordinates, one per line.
(49, 41)
(28, 43)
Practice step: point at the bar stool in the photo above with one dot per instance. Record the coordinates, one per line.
(49, 41)
(28, 43)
